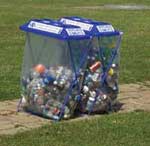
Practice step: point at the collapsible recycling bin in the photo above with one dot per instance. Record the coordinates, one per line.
(100, 86)
(53, 66)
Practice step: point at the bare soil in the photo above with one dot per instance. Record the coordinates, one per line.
(115, 7)
(132, 97)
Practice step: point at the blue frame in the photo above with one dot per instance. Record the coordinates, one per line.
(113, 55)
(75, 81)
(63, 34)
(93, 31)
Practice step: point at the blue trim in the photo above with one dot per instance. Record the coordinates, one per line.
(114, 53)
(94, 30)
(63, 35)
(75, 81)
(72, 84)
(66, 99)
(85, 20)
(84, 57)
(107, 33)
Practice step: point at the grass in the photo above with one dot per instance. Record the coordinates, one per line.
(135, 56)
(130, 129)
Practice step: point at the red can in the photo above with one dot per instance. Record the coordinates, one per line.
(95, 66)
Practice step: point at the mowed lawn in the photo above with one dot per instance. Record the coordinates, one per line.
(135, 51)
(132, 129)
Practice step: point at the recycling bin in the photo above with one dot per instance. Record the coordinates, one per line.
(53, 67)
(100, 85)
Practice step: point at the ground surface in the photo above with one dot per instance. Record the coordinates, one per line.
(132, 97)
(126, 129)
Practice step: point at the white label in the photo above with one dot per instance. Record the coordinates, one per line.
(91, 99)
(75, 31)
(82, 25)
(45, 27)
(105, 28)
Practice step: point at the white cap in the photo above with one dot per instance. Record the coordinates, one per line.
(104, 96)
(93, 93)
(91, 99)
(113, 65)
(114, 88)
(55, 82)
(85, 89)
(23, 100)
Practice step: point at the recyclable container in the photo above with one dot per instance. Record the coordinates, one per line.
(100, 86)
(53, 67)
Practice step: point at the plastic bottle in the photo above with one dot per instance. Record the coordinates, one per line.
(90, 103)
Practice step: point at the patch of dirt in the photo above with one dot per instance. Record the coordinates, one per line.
(12, 121)
(115, 7)
(132, 97)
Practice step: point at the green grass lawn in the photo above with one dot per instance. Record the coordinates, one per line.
(135, 54)
(114, 130)
(130, 129)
